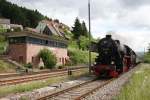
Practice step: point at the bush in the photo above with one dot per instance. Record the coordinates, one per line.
(3, 30)
(80, 57)
(48, 58)
(29, 65)
(2, 38)
(147, 58)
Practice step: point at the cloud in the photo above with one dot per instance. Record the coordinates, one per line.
(134, 3)
(130, 19)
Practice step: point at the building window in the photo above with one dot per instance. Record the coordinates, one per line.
(46, 42)
(52, 43)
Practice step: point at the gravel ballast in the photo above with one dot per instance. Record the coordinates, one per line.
(109, 91)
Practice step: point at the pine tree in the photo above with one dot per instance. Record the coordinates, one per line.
(77, 29)
(84, 29)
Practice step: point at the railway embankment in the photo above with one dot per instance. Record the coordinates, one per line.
(138, 87)
(123, 87)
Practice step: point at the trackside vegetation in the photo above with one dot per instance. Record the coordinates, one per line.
(147, 58)
(6, 67)
(49, 59)
(80, 57)
(138, 87)
(3, 44)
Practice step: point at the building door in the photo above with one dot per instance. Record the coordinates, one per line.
(21, 59)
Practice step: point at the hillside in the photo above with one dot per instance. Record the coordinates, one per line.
(78, 36)
(20, 15)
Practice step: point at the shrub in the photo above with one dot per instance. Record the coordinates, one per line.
(29, 65)
(147, 58)
(48, 58)
(2, 38)
(3, 30)
(80, 57)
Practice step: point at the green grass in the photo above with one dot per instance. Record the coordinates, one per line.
(138, 87)
(6, 67)
(147, 58)
(3, 46)
(5, 90)
(80, 57)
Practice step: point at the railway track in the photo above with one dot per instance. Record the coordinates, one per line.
(77, 92)
(28, 78)
(7, 75)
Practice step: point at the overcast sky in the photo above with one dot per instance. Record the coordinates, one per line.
(128, 19)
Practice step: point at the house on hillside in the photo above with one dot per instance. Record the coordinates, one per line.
(24, 46)
(50, 27)
(16, 27)
(5, 23)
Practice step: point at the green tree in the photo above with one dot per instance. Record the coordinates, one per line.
(84, 29)
(48, 58)
(20, 15)
(77, 29)
(84, 43)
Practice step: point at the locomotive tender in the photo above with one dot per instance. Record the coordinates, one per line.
(114, 58)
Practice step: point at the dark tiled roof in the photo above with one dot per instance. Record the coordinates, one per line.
(37, 35)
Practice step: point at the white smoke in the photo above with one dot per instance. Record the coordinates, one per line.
(122, 38)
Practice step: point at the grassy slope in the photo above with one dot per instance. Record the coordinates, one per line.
(6, 67)
(138, 87)
(3, 46)
(80, 57)
(147, 58)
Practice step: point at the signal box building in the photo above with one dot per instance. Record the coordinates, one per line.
(25, 46)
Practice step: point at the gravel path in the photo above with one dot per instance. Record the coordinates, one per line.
(108, 92)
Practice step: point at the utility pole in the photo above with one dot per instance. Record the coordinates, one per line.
(144, 50)
(89, 16)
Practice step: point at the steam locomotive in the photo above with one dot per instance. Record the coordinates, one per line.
(114, 58)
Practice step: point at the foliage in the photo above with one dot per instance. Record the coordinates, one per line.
(81, 35)
(48, 58)
(138, 87)
(28, 65)
(3, 44)
(19, 15)
(73, 44)
(84, 29)
(2, 38)
(84, 43)
(6, 67)
(2, 30)
(77, 29)
(147, 58)
(68, 34)
(80, 57)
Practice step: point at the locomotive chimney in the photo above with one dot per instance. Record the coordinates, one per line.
(108, 36)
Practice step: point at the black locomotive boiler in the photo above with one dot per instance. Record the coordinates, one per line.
(114, 58)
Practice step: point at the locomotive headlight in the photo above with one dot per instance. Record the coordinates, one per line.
(112, 62)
